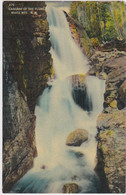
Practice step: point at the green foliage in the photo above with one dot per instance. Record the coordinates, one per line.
(95, 42)
(73, 10)
(102, 20)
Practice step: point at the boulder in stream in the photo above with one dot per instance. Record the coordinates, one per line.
(70, 188)
(79, 91)
(77, 137)
(77, 80)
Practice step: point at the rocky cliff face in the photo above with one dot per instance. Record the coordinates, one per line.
(111, 123)
(26, 68)
(18, 136)
(111, 150)
(26, 47)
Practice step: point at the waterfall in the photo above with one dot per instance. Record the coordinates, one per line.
(63, 47)
(58, 115)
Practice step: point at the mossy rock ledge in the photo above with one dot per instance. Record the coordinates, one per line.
(77, 137)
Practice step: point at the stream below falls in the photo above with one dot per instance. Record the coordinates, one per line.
(58, 115)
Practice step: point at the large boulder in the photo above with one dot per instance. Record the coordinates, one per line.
(77, 137)
(70, 188)
(79, 91)
(77, 80)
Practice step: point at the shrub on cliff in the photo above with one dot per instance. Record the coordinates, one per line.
(95, 42)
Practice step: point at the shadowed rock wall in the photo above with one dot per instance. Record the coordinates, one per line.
(26, 69)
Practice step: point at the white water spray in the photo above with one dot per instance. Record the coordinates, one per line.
(58, 115)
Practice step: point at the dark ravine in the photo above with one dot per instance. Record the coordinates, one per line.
(27, 65)
(109, 64)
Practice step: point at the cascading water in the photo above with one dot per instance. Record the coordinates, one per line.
(58, 115)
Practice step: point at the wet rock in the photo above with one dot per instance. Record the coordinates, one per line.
(77, 80)
(43, 167)
(92, 71)
(77, 137)
(79, 91)
(76, 154)
(79, 154)
(74, 178)
(70, 188)
(103, 76)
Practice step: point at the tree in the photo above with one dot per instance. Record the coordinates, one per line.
(73, 10)
(102, 20)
